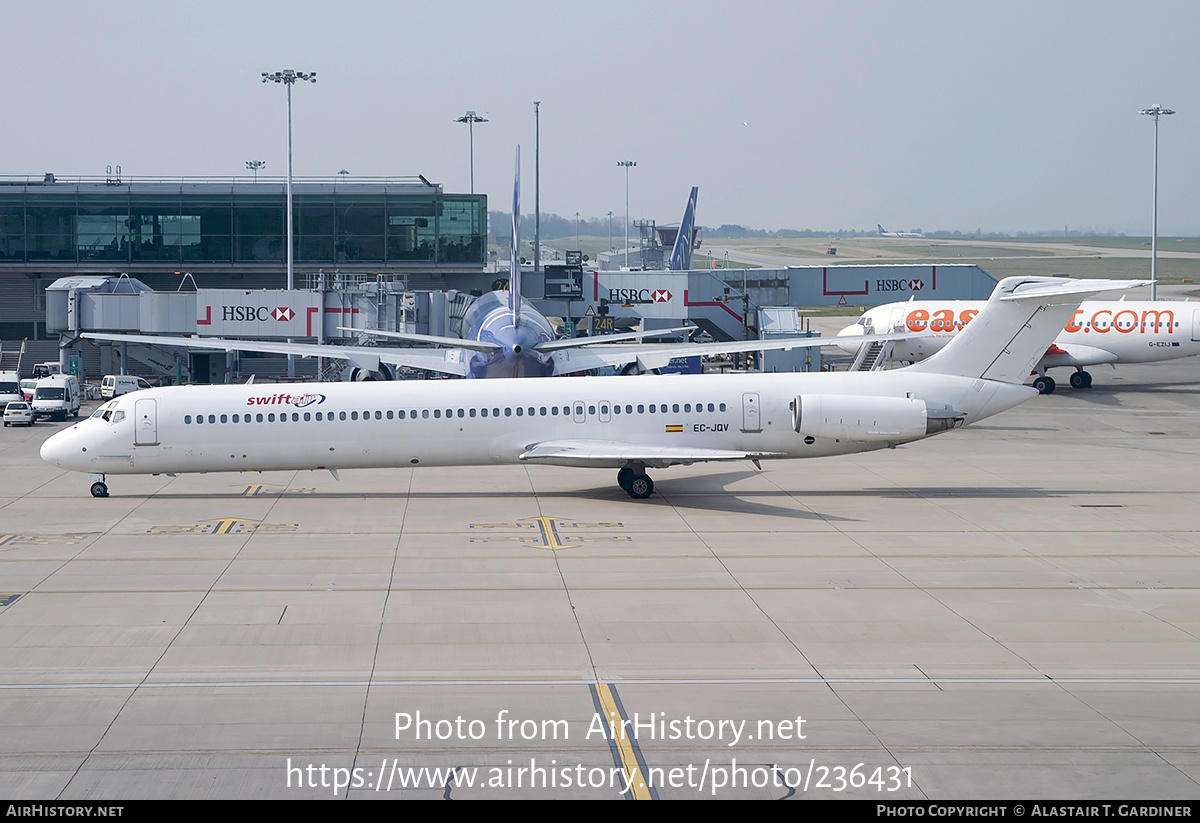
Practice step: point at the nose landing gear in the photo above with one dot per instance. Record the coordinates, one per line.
(99, 487)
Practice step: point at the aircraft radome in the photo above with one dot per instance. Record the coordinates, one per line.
(627, 423)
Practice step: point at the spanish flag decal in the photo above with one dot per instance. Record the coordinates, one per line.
(674, 428)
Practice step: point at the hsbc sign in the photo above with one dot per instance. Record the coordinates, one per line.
(639, 296)
(259, 313)
(224, 312)
(899, 285)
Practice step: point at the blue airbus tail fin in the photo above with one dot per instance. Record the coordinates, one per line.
(681, 255)
(514, 265)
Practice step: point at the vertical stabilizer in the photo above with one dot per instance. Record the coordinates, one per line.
(1012, 332)
(681, 255)
(514, 265)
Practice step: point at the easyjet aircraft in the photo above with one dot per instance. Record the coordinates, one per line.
(625, 423)
(1098, 332)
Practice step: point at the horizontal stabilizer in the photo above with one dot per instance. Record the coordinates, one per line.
(1040, 288)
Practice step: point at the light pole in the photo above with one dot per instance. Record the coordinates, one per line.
(1155, 111)
(537, 186)
(471, 118)
(255, 165)
(289, 77)
(576, 231)
(610, 231)
(628, 164)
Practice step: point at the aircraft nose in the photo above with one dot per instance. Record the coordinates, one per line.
(849, 331)
(52, 449)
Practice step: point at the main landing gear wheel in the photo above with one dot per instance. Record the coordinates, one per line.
(1081, 380)
(640, 487)
(99, 489)
(625, 477)
(1044, 384)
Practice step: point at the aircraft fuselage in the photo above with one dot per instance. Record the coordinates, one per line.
(461, 423)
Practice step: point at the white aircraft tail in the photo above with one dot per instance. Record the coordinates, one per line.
(1011, 333)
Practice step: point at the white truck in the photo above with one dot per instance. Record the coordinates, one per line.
(10, 387)
(57, 397)
(115, 385)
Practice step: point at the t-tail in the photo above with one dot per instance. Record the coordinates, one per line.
(681, 255)
(514, 264)
(1020, 321)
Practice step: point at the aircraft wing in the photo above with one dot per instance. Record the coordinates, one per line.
(364, 357)
(450, 342)
(611, 454)
(604, 340)
(657, 355)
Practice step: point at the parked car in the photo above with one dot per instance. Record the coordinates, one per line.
(27, 387)
(18, 411)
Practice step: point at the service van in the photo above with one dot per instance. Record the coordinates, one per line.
(10, 387)
(47, 369)
(115, 385)
(57, 396)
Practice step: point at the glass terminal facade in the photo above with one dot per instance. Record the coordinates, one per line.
(238, 225)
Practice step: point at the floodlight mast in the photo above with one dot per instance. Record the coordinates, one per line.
(1155, 111)
(537, 186)
(289, 77)
(471, 118)
(628, 164)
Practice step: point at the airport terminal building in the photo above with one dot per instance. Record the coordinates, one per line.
(227, 233)
(206, 257)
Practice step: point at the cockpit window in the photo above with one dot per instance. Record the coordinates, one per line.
(105, 410)
(109, 413)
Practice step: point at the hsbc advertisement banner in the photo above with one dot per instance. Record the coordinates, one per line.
(874, 285)
(653, 293)
(235, 313)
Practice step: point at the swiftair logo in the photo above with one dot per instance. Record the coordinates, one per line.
(297, 400)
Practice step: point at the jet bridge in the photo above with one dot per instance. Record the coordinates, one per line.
(725, 302)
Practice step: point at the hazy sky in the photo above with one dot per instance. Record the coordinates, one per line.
(1014, 116)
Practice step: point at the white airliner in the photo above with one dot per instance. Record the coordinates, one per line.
(885, 233)
(1100, 331)
(504, 335)
(626, 423)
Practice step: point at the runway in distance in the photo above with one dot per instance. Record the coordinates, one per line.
(627, 423)
(1099, 332)
(504, 335)
(885, 233)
